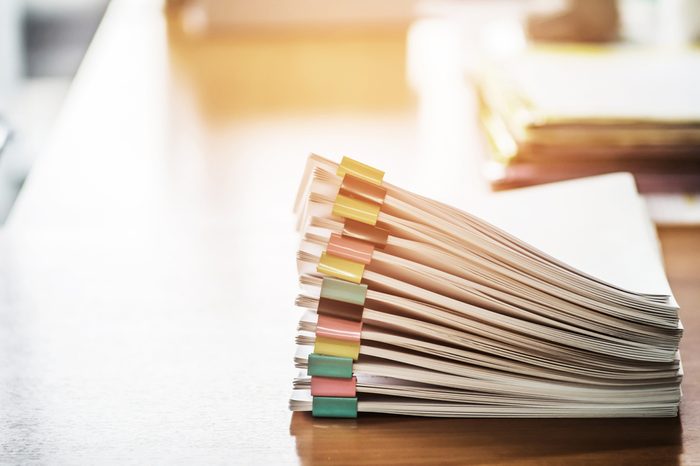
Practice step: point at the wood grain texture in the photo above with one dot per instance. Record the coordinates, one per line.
(147, 275)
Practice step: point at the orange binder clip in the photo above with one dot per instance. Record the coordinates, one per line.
(370, 234)
(358, 188)
(339, 309)
(350, 248)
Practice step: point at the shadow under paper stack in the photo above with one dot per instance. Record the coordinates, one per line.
(412, 307)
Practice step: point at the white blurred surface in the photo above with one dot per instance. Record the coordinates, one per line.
(10, 50)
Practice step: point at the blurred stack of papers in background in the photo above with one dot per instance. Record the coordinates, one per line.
(558, 112)
(561, 112)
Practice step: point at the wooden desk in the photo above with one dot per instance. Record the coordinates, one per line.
(147, 275)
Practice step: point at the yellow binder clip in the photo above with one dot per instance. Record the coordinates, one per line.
(360, 170)
(340, 348)
(356, 209)
(340, 268)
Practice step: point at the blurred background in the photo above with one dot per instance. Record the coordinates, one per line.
(470, 96)
(42, 43)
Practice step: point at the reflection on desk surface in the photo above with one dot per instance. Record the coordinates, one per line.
(397, 440)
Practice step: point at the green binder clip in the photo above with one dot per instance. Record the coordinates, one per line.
(332, 406)
(330, 366)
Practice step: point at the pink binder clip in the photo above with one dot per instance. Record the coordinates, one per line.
(329, 386)
(338, 329)
(350, 248)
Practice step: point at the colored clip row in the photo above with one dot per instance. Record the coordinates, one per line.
(346, 256)
(361, 194)
(339, 325)
(340, 307)
(333, 387)
(338, 333)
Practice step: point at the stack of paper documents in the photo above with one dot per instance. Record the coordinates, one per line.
(548, 302)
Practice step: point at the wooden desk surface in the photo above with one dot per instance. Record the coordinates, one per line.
(147, 275)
